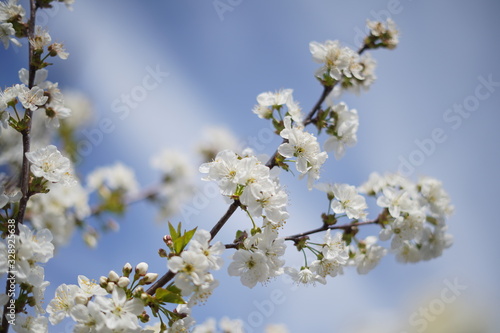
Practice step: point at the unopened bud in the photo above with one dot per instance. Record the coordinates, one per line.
(127, 268)
(123, 282)
(162, 253)
(145, 296)
(109, 288)
(168, 240)
(81, 299)
(113, 276)
(141, 268)
(144, 317)
(103, 281)
(150, 278)
(138, 292)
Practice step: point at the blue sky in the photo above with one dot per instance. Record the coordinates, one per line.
(217, 68)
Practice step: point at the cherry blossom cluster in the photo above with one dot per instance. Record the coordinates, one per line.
(115, 304)
(247, 179)
(414, 217)
(280, 101)
(342, 126)
(338, 61)
(382, 34)
(304, 147)
(177, 184)
(10, 14)
(258, 258)
(192, 267)
(60, 210)
(20, 259)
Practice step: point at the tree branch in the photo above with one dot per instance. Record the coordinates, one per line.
(331, 227)
(25, 169)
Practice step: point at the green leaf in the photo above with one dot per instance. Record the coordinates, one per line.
(173, 232)
(173, 288)
(179, 245)
(167, 296)
(189, 234)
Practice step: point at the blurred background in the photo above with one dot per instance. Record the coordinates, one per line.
(219, 55)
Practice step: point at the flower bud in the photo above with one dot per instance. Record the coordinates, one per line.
(168, 240)
(81, 299)
(113, 276)
(141, 268)
(123, 282)
(162, 253)
(150, 278)
(103, 281)
(109, 288)
(138, 292)
(144, 317)
(127, 268)
(145, 296)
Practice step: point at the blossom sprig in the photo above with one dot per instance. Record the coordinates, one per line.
(280, 101)
(337, 60)
(413, 217)
(416, 213)
(88, 305)
(249, 181)
(304, 147)
(382, 34)
(190, 269)
(27, 250)
(258, 257)
(341, 124)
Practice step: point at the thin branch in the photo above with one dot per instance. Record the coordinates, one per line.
(215, 230)
(326, 91)
(331, 227)
(25, 169)
(314, 231)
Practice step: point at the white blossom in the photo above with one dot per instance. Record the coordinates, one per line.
(62, 303)
(120, 313)
(344, 132)
(30, 324)
(334, 248)
(387, 32)
(396, 201)
(41, 38)
(370, 256)
(90, 287)
(117, 177)
(58, 49)
(190, 267)
(250, 266)
(6, 35)
(231, 325)
(30, 98)
(304, 276)
(347, 200)
(48, 163)
(10, 10)
(216, 139)
(200, 244)
(304, 147)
